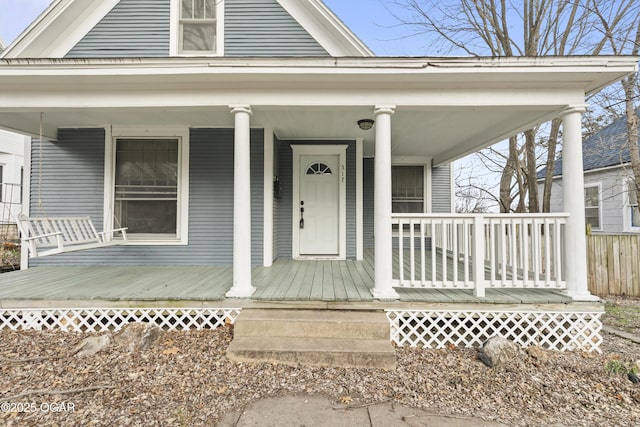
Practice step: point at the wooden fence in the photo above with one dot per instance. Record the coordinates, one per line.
(614, 264)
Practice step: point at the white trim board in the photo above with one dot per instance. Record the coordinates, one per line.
(267, 251)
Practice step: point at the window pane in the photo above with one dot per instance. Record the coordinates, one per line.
(146, 190)
(592, 216)
(198, 37)
(149, 217)
(633, 199)
(591, 196)
(199, 9)
(635, 216)
(210, 9)
(187, 9)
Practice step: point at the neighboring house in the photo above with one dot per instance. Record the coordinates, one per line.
(264, 133)
(12, 148)
(610, 206)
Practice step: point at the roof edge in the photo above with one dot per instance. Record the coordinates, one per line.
(54, 33)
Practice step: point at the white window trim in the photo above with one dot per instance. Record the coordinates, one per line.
(111, 134)
(334, 149)
(626, 209)
(174, 31)
(599, 185)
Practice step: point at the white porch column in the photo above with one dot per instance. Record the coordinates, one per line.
(241, 204)
(383, 288)
(573, 189)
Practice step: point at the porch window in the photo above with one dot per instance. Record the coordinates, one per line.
(592, 206)
(197, 33)
(633, 203)
(146, 187)
(407, 189)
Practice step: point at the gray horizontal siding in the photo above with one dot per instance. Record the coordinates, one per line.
(264, 28)
(72, 177)
(367, 202)
(137, 28)
(285, 214)
(441, 189)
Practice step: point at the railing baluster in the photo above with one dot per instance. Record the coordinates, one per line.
(445, 232)
(547, 253)
(514, 246)
(412, 252)
(401, 251)
(422, 255)
(537, 259)
(434, 276)
(454, 228)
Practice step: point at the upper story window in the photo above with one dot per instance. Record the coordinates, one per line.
(197, 27)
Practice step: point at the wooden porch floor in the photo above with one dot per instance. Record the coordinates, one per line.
(285, 281)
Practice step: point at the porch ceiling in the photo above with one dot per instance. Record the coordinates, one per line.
(446, 107)
(440, 133)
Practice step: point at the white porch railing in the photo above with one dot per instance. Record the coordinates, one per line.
(479, 251)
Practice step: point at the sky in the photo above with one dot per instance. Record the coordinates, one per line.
(367, 18)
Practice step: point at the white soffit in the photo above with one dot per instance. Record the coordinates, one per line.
(59, 28)
(326, 28)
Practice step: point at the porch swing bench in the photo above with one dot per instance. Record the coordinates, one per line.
(45, 236)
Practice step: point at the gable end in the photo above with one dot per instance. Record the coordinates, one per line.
(265, 28)
(133, 28)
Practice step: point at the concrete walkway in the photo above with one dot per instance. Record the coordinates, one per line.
(308, 411)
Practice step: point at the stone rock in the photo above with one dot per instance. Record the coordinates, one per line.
(539, 354)
(92, 345)
(498, 352)
(138, 336)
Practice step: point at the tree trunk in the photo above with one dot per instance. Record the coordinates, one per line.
(629, 85)
(551, 164)
(531, 170)
(507, 175)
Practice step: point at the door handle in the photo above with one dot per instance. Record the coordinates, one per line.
(301, 218)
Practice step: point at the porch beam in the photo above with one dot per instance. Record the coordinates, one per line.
(241, 203)
(573, 192)
(383, 286)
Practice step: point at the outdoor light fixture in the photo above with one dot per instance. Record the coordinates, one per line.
(365, 124)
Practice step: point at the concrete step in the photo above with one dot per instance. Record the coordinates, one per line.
(312, 324)
(314, 351)
(313, 337)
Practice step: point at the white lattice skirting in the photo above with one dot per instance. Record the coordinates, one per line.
(468, 328)
(113, 319)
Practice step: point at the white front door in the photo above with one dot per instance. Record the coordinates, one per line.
(319, 201)
(319, 205)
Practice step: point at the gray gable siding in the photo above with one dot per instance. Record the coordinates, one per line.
(72, 178)
(264, 28)
(141, 28)
(284, 211)
(133, 28)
